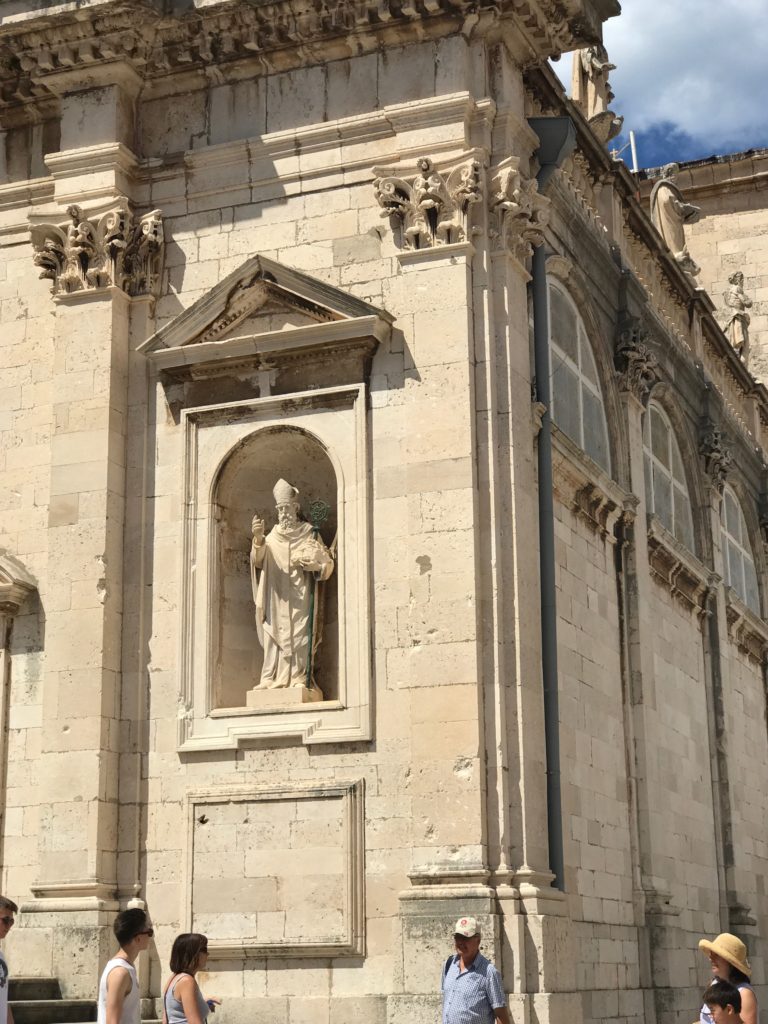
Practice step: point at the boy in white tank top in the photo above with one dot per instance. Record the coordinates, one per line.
(119, 1001)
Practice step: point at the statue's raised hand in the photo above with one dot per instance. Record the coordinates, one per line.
(257, 528)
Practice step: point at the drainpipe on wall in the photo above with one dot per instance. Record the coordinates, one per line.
(557, 138)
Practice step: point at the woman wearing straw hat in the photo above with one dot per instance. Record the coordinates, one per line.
(728, 956)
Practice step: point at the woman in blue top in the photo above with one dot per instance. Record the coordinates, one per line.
(183, 1002)
(728, 956)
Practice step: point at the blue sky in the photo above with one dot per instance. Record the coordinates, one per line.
(691, 77)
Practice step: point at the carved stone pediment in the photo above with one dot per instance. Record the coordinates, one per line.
(16, 585)
(266, 317)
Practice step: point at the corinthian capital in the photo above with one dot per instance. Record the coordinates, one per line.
(88, 253)
(520, 213)
(431, 207)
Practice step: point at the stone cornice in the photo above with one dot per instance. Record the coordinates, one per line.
(36, 46)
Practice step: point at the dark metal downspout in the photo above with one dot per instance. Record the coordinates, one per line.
(557, 138)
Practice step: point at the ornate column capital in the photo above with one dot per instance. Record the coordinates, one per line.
(519, 213)
(92, 252)
(637, 367)
(716, 453)
(431, 207)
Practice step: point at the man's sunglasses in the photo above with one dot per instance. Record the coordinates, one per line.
(7, 921)
(149, 932)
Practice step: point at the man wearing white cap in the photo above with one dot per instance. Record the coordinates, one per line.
(472, 988)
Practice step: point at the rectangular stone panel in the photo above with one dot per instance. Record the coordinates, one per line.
(277, 870)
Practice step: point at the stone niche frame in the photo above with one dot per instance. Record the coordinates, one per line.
(336, 418)
(352, 942)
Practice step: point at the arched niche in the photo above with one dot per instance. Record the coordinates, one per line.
(242, 489)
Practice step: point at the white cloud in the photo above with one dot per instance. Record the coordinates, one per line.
(698, 65)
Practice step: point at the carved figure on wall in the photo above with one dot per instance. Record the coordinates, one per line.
(591, 91)
(737, 318)
(432, 206)
(670, 213)
(286, 564)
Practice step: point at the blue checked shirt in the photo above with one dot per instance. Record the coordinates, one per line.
(472, 996)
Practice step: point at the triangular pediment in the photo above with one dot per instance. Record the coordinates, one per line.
(16, 584)
(262, 299)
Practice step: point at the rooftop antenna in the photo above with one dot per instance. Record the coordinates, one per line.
(616, 153)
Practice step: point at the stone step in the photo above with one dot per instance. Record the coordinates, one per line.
(33, 988)
(53, 1011)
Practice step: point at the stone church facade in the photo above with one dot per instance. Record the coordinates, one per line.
(244, 242)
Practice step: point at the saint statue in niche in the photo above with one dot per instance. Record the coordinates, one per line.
(286, 567)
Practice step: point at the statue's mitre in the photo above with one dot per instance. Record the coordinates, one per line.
(283, 492)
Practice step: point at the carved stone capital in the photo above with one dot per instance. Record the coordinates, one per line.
(636, 365)
(519, 213)
(110, 250)
(716, 453)
(431, 207)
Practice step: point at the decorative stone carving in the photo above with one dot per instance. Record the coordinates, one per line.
(16, 585)
(735, 316)
(716, 453)
(670, 213)
(432, 206)
(286, 567)
(592, 92)
(112, 249)
(673, 566)
(636, 365)
(521, 214)
(748, 630)
(155, 41)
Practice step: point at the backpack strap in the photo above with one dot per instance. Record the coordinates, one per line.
(447, 965)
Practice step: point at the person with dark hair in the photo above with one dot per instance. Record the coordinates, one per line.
(7, 909)
(723, 1000)
(183, 1002)
(119, 987)
(728, 957)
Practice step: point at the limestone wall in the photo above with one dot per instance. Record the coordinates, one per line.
(326, 849)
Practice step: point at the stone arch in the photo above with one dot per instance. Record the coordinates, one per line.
(570, 279)
(738, 485)
(242, 486)
(665, 397)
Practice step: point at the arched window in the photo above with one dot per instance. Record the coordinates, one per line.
(577, 403)
(665, 488)
(740, 572)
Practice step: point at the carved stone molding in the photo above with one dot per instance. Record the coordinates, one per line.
(520, 214)
(716, 453)
(432, 207)
(636, 365)
(581, 485)
(676, 569)
(147, 36)
(112, 249)
(16, 585)
(747, 630)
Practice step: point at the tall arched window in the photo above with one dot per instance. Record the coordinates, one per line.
(577, 403)
(740, 572)
(665, 487)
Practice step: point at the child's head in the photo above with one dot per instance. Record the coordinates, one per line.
(724, 1002)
